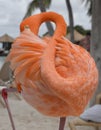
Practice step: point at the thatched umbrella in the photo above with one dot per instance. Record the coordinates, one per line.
(77, 36)
(6, 38)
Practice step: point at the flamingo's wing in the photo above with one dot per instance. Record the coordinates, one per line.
(25, 54)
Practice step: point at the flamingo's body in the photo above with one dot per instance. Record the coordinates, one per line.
(56, 77)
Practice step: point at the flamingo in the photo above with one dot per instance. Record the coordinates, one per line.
(55, 76)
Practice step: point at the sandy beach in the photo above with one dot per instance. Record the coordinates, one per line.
(27, 118)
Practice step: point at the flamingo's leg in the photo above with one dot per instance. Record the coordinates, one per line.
(62, 123)
(5, 95)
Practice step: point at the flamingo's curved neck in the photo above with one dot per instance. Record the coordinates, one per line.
(35, 21)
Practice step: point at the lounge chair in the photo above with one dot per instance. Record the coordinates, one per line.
(91, 117)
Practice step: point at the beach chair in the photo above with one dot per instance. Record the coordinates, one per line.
(80, 122)
(86, 120)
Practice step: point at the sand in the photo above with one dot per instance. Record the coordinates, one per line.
(27, 118)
